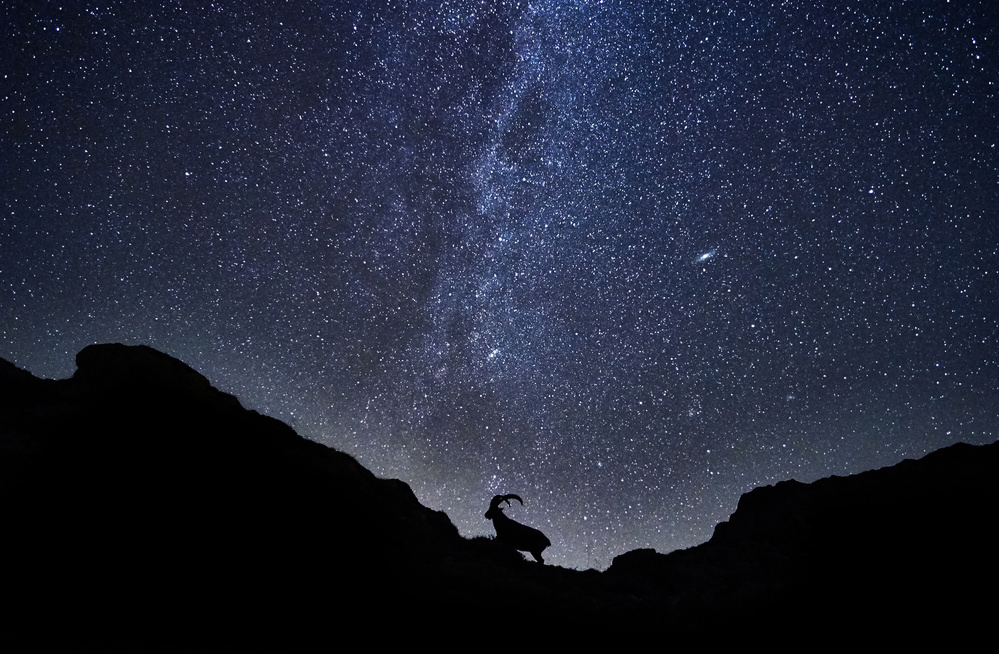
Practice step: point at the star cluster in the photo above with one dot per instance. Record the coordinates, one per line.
(626, 259)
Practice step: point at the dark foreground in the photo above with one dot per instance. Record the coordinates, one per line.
(144, 510)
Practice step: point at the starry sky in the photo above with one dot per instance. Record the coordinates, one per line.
(627, 259)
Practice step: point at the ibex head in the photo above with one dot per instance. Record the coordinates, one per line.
(494, 506)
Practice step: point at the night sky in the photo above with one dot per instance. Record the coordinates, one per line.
(628, 260)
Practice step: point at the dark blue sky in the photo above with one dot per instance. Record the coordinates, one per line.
(625, 260)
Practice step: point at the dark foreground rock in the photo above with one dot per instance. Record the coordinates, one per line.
(139, 499)
(902, 552)
(142, 506)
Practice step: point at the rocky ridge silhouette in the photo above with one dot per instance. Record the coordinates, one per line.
(140, 503)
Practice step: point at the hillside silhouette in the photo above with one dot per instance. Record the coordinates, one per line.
(143, 506)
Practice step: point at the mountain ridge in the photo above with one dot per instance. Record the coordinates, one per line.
(138, 478)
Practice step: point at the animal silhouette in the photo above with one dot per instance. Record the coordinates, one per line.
(519, 537)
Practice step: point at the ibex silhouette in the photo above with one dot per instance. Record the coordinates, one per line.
(519, 537)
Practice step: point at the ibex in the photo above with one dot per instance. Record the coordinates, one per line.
(519, 537)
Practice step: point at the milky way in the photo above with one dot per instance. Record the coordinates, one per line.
(627, 260)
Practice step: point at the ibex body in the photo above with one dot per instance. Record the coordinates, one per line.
(518, 536)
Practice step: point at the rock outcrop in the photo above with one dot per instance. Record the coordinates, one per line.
(138, 496)
(905, 547)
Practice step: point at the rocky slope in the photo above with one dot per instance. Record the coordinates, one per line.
(141, 504)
